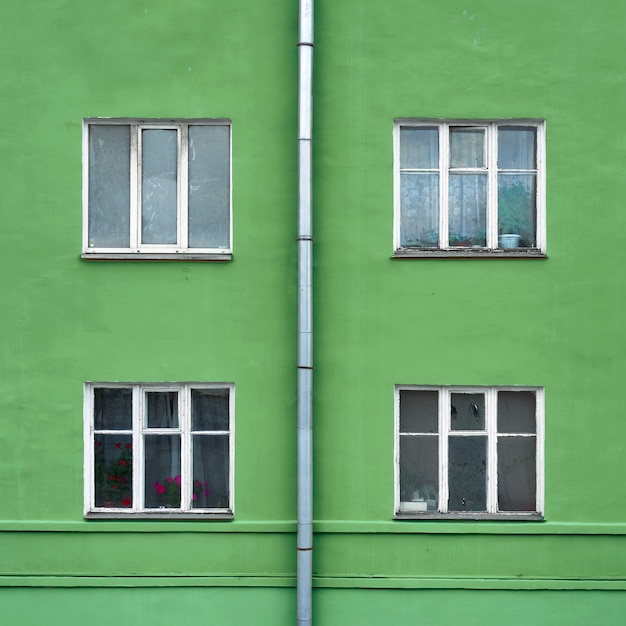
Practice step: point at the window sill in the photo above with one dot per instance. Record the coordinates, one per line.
(499, 517)
(157, 256)
(469, 253)
(225, 515)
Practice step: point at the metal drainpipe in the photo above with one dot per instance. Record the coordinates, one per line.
(305, 317)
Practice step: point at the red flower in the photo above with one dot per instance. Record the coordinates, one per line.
(118, 445)
(126, 502)
(122, 462)
(128, 446)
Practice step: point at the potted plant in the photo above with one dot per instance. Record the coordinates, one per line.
(513, 215)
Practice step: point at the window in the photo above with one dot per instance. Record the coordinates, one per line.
(156, 189)
(469, 188)
(469, 452)
(158, 449)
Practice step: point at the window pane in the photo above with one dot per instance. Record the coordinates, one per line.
(419, 210)
(162, 471)
(109, 186)
(209, 186)
(467, 209)
(467, 147)
(467, 466)
(162, 409)
(516, 412)
(516, 148)
(419, 148)
(419, 411)
(517, 483)
(113, 475)
(209, 409)
(210, 471)
(516, 207)
(159, 174)
(113, 409)
(467, 411)
(419, 469)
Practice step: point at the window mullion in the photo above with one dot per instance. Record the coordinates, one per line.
(396, 185)
(396, 460)
(539, 449)
(135, 184)
(540, 191)
(185, 447)
(444, 164)
(444, 430)
(492, 186)
(491, 407)
(89, 437)
(138, 455)
(183, 186)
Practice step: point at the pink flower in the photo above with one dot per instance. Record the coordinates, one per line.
(194, 497)
(198, 483)
(177, 480)
(207, 493)
(169, 480)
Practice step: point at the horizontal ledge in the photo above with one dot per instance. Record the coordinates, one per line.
(391, 527)
(155, 256)
(147, 581)
(319, 582)
(144, 515)
(429, 526)
(433, 516)
(536, 584)
(184, 524)
(468, 254)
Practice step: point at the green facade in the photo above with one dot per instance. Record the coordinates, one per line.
(553, 322)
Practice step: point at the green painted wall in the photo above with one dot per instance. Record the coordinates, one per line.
(163, 607)
(555, 323)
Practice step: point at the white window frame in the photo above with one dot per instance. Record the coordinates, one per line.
(137, 249)
(137, 432)
(492, 435)
(491, 169)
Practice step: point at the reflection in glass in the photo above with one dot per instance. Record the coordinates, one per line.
(113, 409)
(467, 471)
(467, 210)
(517, 148)
(159, 174)
(419, 148)
(516, 411)
(209, 186)
(467, 147)
(419, 463)
(516, 207)
(113, 470)
(419, 410)
(517, 482)
(209, 409)
(162, 409)
(210, 471)
(467, 411)
(419, 210)
(162, 471)
(109, 186)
